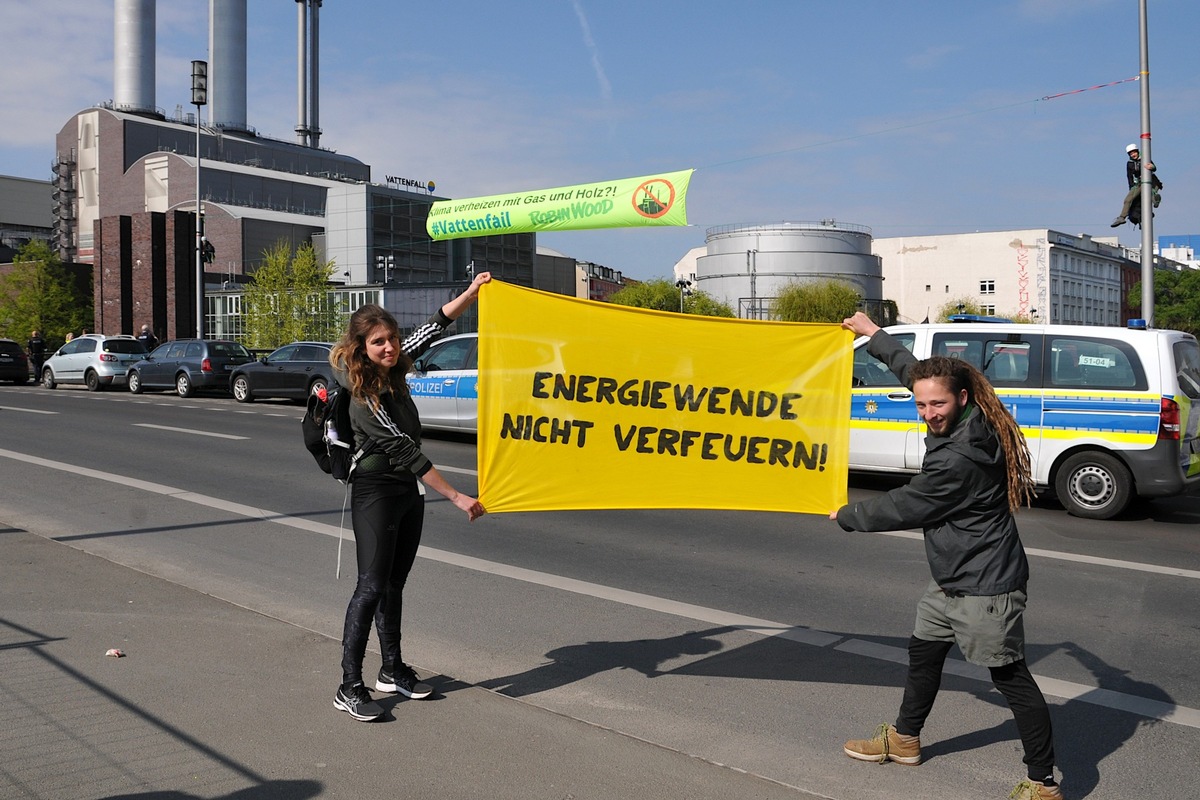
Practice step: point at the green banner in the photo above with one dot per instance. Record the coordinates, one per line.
(626, 203)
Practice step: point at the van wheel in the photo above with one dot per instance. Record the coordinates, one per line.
(92, 381)
(183, 385)
(1093, 485)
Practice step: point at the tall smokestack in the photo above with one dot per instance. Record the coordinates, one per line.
(302, 73)
(308, 131)
(133, 55)
(314, 88)
(227, 63)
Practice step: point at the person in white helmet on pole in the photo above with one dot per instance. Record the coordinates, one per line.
(1133, 174)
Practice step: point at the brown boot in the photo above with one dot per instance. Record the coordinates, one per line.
(886, 744)
(1033, 790)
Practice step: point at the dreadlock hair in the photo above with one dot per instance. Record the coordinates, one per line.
(956, 375)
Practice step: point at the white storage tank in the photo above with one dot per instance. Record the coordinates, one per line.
(745, 266)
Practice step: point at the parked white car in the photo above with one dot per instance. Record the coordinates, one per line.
(95, 360)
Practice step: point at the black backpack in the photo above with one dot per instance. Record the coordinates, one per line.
(328, 435)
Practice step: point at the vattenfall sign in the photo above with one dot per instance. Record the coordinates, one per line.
(410, 183)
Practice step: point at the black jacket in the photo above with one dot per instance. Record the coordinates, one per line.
(960, 499)
(394, 426)
(1133, 174)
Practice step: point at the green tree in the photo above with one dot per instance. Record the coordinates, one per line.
(960, 305)
(289, 299)
(815, 301)
(663, 295)
(1020, 318)
(40, 294)
(1176, 300)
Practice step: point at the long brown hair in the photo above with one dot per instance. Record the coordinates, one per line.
(367, 380)
(956, 375)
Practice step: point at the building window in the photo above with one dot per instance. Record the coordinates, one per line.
(987, 287)
(988, 310)
(947, 288)
(927, 287)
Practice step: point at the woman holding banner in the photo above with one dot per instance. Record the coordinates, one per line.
(974, 477)
(387, 502)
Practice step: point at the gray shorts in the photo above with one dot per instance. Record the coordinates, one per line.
(990, 631)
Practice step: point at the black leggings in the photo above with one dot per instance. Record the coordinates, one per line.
(1014, 681)
(387, 516)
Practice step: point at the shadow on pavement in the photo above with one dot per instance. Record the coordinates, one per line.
(68, 735)
(578, 661)
(271, 790)
(1085, 732)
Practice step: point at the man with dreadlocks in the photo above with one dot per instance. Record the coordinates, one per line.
(975, 476)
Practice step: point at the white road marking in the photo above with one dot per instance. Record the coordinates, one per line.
(26, 410)
(457, 470)
(188, 430)
(1079, 559)
(1106, 698)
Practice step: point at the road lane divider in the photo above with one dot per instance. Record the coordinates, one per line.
(188, 430)
(27, 410)
(1093, 695)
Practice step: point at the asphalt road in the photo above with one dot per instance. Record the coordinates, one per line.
(755, 641)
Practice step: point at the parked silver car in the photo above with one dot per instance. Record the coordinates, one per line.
(95, 360)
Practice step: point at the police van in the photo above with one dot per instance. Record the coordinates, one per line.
(1109, 413)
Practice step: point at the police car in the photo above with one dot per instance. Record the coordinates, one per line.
(1109, 413)
(443, 384)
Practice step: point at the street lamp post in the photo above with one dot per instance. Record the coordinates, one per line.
(199, 98)
(683, 284)
(1146, 177)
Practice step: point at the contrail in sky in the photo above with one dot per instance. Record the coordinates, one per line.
(605, 86)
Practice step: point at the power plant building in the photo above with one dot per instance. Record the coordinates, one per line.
(125, 191)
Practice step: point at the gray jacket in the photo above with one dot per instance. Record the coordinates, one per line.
(395, 425)
(960, 499)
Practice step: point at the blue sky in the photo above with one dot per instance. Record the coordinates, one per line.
(911, 118)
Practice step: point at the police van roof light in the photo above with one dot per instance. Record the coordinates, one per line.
(1137, 324)
(976, 318)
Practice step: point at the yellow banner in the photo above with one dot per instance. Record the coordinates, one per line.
(586, 405)
(625, 203)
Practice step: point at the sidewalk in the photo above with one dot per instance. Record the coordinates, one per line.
(213, 701)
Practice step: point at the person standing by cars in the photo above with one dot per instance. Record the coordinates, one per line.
(387, 491)
(148, 338)
(35, 348)
(975, 475)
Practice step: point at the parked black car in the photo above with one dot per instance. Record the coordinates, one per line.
(188, 366)
(295, 370)
(14, 364)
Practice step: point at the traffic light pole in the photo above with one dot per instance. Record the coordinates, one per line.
(199, 98)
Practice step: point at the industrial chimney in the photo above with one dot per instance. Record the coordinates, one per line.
(133, 55)
(308, 129)
(227, 64)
